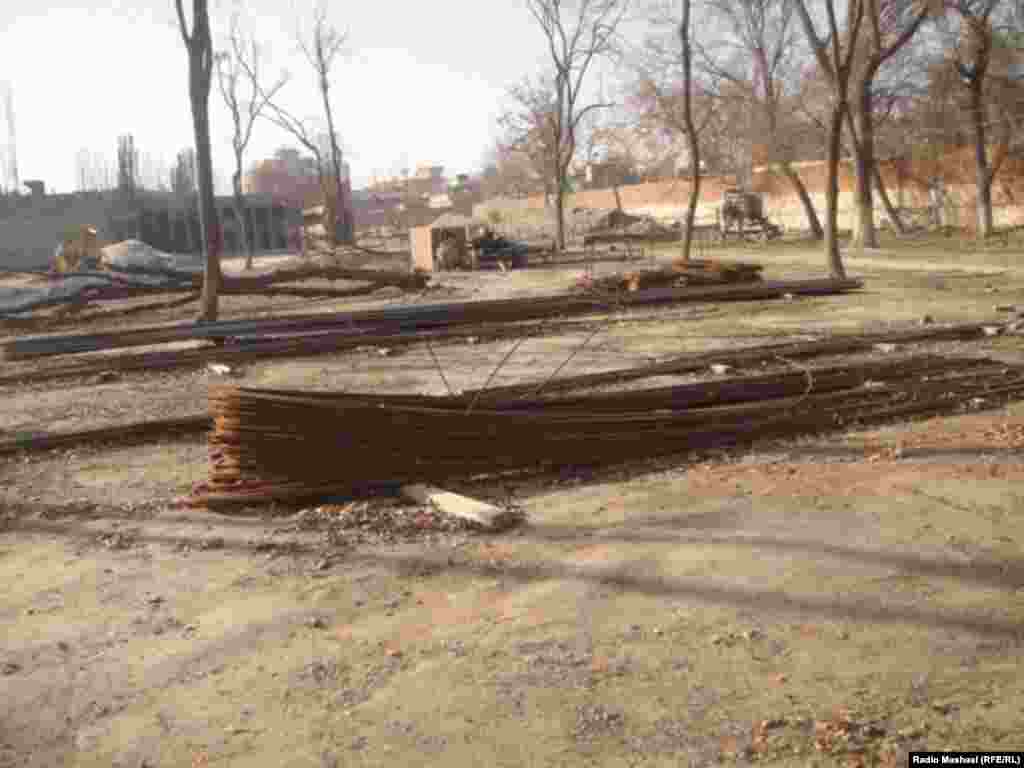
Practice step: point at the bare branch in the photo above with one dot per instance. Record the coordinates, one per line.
(574, 41)
(182, 24)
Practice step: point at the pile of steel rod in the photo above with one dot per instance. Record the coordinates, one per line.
(281, 445)
(722, 391)
(341, 340)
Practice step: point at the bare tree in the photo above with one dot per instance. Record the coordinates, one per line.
(183, 175)
(686, 52)
(199, 45)
(759, 56)
(670, 96)
(531, 130)
(896, 87)
(94, 171)
(152, 172)
(83, 178)
(973, 58)
(242, 61)
(320, 51)
(307, 137)
(12, 140)
(836, 65)
(574, 40)
(105, 171)
(508, 173)
(127, 166)
(891, 24)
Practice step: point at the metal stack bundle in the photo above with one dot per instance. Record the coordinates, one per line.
(275, 445)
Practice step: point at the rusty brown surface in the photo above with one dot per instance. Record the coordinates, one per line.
(288, 445)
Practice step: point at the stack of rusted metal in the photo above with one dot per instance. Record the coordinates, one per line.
(694, 272)
(408, 318)
(711, 272)
(276, 445)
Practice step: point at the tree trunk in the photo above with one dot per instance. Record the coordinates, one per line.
(691, 132)
(890, 209)
(560, 216)
(241, 214)
(864, 234)
(338, 219)
(813, 222)
(200, 55)
(835, 135)
(982, 172)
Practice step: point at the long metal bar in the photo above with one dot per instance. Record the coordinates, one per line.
(141, 431)
(410, 318)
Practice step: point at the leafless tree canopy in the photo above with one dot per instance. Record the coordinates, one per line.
(531, 129)
(321, 50)
(834, 52)
(93, 171)
(577, 33)
(239, 79)
(509, 172)
(127, 165)
(751, 63)
(977, 86)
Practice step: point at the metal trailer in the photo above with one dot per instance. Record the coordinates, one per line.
(742, 214)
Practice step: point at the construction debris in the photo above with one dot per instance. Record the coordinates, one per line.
(132, 268)
(611, 225)
(382, 520)
(487, 516)
(679, 274)
(277, 445)
(493, 249)
(76, 253)
(707, 272)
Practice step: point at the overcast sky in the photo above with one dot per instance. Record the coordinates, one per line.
(424, 82)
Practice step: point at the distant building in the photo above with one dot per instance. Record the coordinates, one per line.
(293, 180)
(33, 227)
(414, 199)
(292, 162)
(427, 180)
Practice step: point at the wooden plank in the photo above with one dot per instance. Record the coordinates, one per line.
(456, 505)
(422, 245)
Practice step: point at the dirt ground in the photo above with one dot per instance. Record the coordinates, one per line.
(823, 601)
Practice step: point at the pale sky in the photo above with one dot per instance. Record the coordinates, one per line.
(424, 82)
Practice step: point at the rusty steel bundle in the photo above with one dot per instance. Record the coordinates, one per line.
(340, 340)
(422, 317)
(724, 391)
(283, 445)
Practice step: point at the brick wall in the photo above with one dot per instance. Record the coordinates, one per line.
(906, 182)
